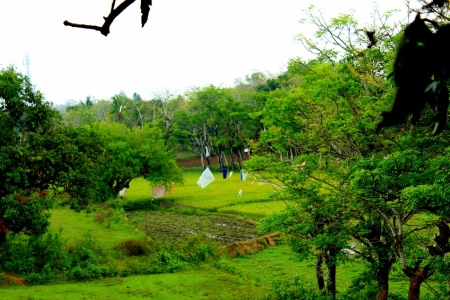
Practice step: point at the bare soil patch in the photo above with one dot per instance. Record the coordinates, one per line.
(11, 280)
(170, 226)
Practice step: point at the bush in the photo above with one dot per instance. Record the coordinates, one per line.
(86, 252)
(37, 256)
(92, 271)
(294, 289)
(171, 262)
(199, 249)
(103, 216)
(135, 247)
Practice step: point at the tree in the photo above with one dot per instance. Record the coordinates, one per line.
(37, 155)
(316, 222)
(131, 153)
(400, 187)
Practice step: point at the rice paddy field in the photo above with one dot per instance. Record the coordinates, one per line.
(230, 195)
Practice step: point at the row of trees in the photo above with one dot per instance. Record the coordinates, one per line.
(222, 120)
(41, 157)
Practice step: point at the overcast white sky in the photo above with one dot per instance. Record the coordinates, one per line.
(185, 43)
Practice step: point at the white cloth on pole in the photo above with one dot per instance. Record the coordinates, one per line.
(206, 178)
(206, 151)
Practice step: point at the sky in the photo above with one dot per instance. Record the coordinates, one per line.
(185, 43)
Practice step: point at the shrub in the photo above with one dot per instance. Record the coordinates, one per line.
(103, 216)
(92, 271)
(294, 289)
(135, 247)
(37, 256)
(171, 262)
(86, 252)
(199, 249)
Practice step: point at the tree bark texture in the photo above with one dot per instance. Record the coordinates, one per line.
(416, 277)
(383, 281)
(319, 273)
(331, 280)
(3, 231)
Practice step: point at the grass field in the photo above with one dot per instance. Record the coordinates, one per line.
(74, 226)
(245, 277)
(202, 283)
(220, 196)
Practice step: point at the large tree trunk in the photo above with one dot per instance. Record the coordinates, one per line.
(385, 262)
(319, 273)
(383, 281)
(239, 155)
(232, 159)
(331, 280)
(416, 277)
(330, 261)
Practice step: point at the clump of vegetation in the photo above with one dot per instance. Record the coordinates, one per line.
(294, 289)
(139, 247)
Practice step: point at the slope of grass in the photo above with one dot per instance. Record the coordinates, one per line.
(76, 225)
(206, 283)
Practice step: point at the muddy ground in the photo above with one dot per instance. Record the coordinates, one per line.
(170, 226)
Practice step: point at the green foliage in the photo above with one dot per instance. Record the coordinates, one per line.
(130, 153)
(38, 154)
(294, 289)
(36, 256)
(89, 261)
(363, 287)
(27, 214)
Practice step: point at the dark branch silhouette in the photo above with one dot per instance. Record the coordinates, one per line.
(115, 12)
(422, 69)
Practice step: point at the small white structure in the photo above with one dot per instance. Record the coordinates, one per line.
(122, 192)
(158, 191)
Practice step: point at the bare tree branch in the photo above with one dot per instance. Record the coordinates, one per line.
(145, 9)
(115, 12)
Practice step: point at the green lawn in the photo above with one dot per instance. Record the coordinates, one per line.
(76, 225)
(206, 283)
